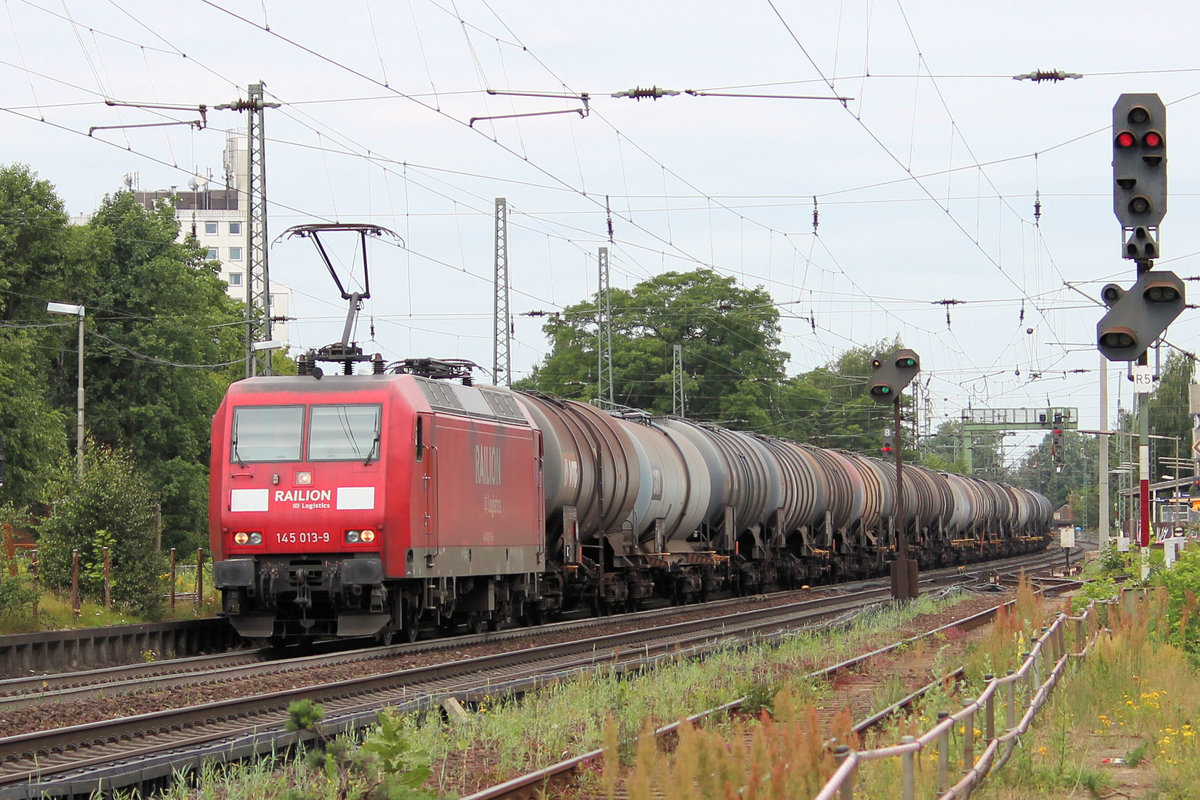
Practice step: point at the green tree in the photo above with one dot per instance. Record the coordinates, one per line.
(44, 259)
(159, 328)
(111, 505)
(729, 335)
(943, 450)
(1069, 479)
(1168, 405)
(834, 409)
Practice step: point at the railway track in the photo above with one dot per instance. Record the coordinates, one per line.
(170, 674)
(542, 782)
(73, 761)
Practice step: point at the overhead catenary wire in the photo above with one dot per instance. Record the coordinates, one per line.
(676, 208)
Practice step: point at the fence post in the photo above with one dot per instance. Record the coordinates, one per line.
(943, 752)
(107, 579)
(908, 761)
(1080, 642)
(1012, 702)
(172, 578)
(846, 790)
(33, 566)
(989, 710)
(968, 741)
(1044, 653)
(75, 581)
(199, 577)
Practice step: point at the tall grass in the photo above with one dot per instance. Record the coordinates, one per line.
(505, 735)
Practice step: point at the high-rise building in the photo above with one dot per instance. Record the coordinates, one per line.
(216, 216)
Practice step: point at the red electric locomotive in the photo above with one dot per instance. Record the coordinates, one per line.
(352, 505)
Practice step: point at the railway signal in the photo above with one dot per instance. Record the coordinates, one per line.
(1139, 172)
(892, 374)
(1139, 316)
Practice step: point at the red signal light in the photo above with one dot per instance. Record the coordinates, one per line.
(1126, 139)
(1152, 139)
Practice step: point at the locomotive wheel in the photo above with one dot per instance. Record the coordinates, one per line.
(410, 629)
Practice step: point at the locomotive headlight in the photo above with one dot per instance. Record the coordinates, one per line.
(368, 536)
(256, 538)
(353, 537)
(241, 537)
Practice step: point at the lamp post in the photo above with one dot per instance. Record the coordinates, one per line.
(75, 311)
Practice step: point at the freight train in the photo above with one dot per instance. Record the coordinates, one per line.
(387, 504)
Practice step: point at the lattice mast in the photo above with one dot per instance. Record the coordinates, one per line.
(258, 275)
(604, 345)
(502, 319)
(678, 401)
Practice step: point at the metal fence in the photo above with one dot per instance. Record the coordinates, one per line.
(1041, 670)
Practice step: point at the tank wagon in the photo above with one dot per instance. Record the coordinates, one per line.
(388, 504)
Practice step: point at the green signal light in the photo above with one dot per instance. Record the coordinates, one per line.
(906, 362)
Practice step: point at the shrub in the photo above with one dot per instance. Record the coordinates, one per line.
(1182, 583)
(110, 505)
(16, 595)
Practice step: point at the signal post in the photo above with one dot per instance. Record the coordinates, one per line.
(891, 375)
(1138, 316)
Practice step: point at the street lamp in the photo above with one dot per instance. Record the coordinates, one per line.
(75, 311)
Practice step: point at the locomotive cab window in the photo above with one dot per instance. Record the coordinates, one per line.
(266, 433)
(344, 433)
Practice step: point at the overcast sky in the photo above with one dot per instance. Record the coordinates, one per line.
(924, 176)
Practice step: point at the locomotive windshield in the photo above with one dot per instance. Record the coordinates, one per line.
(343, 433)
(335, 433)
(266, 433)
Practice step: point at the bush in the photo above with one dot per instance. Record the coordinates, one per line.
(16, 595)
(1182, 583)
(110, 506)
(385, 766)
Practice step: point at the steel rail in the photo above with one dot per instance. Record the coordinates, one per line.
(175, 673)
(34, 756)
